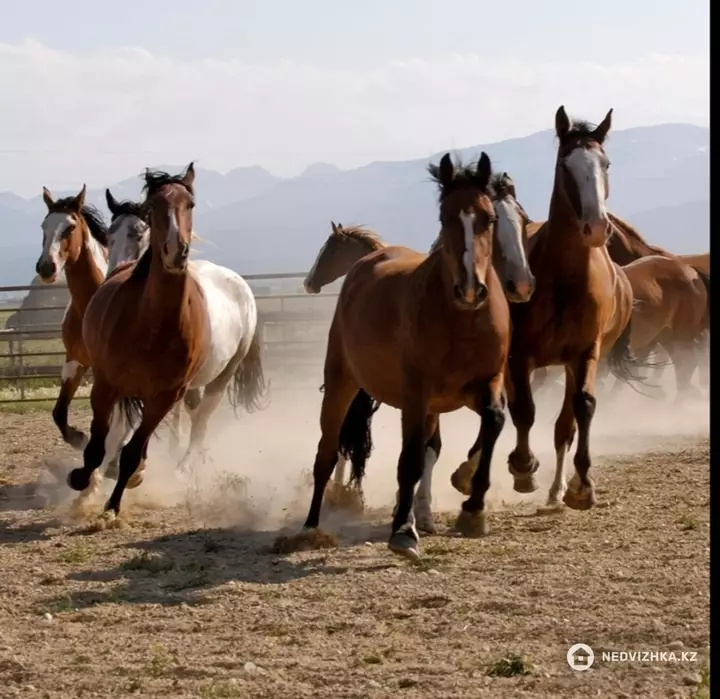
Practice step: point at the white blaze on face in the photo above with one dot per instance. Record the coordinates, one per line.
(53, 227)
(509, 232)
(173, 233)
(586, 167)
(467, 218)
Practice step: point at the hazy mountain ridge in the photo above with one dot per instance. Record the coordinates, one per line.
(256, 222)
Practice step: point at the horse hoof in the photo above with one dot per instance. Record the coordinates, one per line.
(525, 484)
(582, 499)
(552, 507)
(135, 480)
(78, 479)
(471, 525)
(425, 523)
(76, 439)
(461, 479)
(405, 545)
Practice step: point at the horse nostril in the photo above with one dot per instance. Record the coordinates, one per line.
(482, 291)
(511, 287)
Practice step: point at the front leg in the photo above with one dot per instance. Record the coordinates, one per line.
(72, 376)
(522, 463)
(580, 494)
(404, 539)
(489, 404)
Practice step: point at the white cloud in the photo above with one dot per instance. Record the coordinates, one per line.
(69, 118)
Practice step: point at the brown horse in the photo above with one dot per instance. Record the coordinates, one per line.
(343, 248)
(580, 311)
(74, 241)
(427, 334)
(146, 331)
(673, 304)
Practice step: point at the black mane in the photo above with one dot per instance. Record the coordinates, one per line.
(464, 177)
(154, 179)
(129, 208)
(502, 185)
(92, 215)
(581, 129)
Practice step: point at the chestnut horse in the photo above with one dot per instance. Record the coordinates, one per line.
(74, 241)
(233, 315)
(149, 335)
(579, 312)
(427, 334)
(346, 245)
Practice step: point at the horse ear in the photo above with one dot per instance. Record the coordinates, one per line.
(112, 203)
(484, 170)
(334, 227)
(601, 131)
(189, 176)
(48, 198)
(562, 123)
(447, 169)
(79, 200)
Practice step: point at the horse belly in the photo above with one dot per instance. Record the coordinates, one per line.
(232, 319)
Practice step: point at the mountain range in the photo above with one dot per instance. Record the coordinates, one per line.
(255, 222)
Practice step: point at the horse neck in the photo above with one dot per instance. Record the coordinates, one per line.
(627, 246)
(564, 250)
(85, 274)
(165, 295)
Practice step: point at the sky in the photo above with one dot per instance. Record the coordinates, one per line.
(93, 92)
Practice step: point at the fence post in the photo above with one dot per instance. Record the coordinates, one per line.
(21, 369)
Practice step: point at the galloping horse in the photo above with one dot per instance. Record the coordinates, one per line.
(346, 245)
(74, 240)
(151, 336)
(579, 312)
(233, 312)
(427, 334)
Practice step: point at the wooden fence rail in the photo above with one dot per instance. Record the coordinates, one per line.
(293, 329)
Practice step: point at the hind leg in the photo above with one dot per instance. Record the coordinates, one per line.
(683, 357)
(522, 463)
(565, 427)
(118, 436)
(199, 418)
(580, 494)
(340, 389)
(72, 375)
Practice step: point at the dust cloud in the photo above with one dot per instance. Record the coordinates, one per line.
(256, 473)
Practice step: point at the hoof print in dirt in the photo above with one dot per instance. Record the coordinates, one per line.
(472, 525)
(306, 540)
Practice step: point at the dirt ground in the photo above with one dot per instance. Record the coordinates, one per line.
(188, 601)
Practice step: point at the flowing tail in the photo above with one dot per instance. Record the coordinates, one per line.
(248, 388)
(622, 361)
(355, 436)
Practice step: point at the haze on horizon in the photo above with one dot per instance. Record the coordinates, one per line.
(95, 92)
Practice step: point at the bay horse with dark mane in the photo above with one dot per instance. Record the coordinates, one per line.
(580, 311)
(75, 242)
(344, 247)
(147, 333)
(427, 334)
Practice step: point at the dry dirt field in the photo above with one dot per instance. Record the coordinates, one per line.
(189, 601)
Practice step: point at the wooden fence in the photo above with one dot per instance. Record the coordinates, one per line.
(293, 329)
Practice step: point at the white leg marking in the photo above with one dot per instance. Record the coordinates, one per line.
(423, 496)
(557, 489)
(69, 370)
(340, 470)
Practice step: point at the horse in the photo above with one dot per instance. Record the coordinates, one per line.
(347, 244)
(74, 241)
(155, 329)
(427, 334)
(671, 310)
(229, 294)
(580, 311)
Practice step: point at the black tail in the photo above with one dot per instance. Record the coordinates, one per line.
(248, 388)
(355, 436)
(132, 410)
(622, 361)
